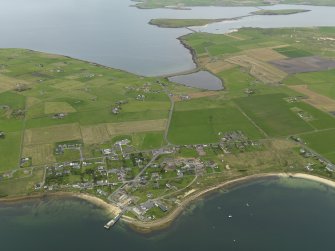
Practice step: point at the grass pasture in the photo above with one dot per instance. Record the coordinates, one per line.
(12, 99)
(69, 85)
(273, 114)
(322, 142)
(217, 66)
(9, 83)
(320, 82)
(203, 125)
(259, 69)
(236, 81)
(10, 148)
(319, 101)
(292, 52)
(320, 120)
(136, 126)
(52, 134)
(95, 134)
(264, 54)
(22, 186)
(149, 140)
(68, 155)
(58, 107)
(40, 154)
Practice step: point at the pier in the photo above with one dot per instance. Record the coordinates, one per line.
(112, 222)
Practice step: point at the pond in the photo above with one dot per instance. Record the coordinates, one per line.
(201, 79)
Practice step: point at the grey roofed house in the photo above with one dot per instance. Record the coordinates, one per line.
(161, 206)
(2, 135)
(330, 167)
(59, 115)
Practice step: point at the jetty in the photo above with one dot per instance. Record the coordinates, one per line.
(112, 222)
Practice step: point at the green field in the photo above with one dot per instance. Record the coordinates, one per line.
(273, 114)
(322, 142)
(293, 52)
(85, 93)
(10, 151)
(320, 82)
(198, 126)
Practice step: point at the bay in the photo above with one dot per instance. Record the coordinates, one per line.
(271, 214)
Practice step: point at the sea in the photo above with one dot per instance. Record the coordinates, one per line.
(268, 214)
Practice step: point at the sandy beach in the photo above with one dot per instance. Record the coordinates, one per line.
(189, 197)
(109, 208)
(146, 227)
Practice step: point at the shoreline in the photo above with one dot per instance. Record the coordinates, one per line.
(209, 21)
(163, 223)
(148, 227)
(110, 209)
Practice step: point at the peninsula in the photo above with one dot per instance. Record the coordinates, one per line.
(145, 147)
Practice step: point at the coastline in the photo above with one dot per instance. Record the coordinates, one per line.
(207, 21)
(163, 223)
(148, 227)
(110, 209)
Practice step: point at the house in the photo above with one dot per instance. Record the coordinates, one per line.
(21, 87)
(115, 110)
(161, 206)
(330, 167)
(106, 151)
(249, 91)
(4, 107)
(59, 116)
(140, 97)
(2, 135)
(185, 97)
(123, 142)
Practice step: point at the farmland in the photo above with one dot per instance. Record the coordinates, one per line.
(257, 67)
(204, 125)
(56, 99)
(322, 142)
(75, 126)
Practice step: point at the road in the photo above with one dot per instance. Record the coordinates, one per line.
(170, 116)
(136, 177)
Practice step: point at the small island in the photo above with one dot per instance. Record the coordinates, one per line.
(279, 12)
(183, 23)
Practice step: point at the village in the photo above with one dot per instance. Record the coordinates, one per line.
(137, 181)
(148, 184)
